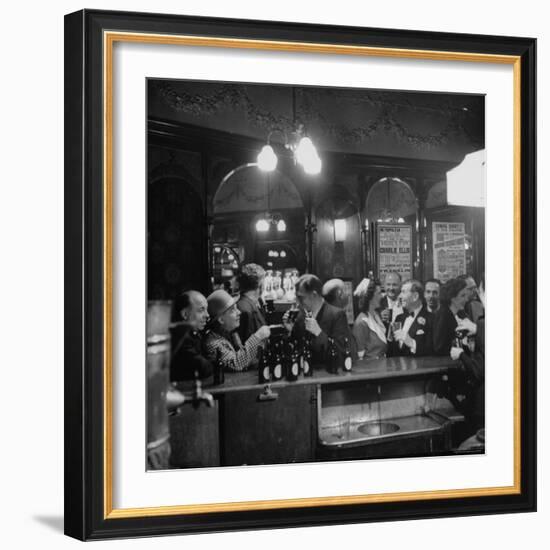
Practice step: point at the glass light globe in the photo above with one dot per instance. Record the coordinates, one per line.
(267, 159)
(281, 225)
(305, 150)
(262, 225)
(313, 165)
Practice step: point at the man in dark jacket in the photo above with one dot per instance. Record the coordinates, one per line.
(318, 320)
(415, 333)
(250, 281)
(187, 357)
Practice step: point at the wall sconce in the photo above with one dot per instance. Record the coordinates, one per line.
(340, 231)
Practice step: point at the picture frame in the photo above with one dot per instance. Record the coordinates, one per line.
(89, 288)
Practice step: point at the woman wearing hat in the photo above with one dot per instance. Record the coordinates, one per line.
(223, 343)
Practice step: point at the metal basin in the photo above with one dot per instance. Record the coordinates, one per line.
(375, 428)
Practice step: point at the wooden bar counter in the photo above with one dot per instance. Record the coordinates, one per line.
(302, 420)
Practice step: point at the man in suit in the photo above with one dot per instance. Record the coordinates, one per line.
(187, 359)
(250, 281)
(390, 306)
(317, 319)
(432, 291)
(414, 337)
(474, 308)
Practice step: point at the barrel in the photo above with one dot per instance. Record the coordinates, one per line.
(158, 380)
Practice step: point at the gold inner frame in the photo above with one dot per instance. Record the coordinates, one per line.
(109, 39)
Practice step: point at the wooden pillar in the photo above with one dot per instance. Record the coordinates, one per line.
(208, 221)
(421, 240)
(311, 230)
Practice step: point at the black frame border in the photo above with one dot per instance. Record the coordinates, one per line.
(84, 254)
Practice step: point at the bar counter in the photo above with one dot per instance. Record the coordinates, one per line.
(363, 369)
(321, 417)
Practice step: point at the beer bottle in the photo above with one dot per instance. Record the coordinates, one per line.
(219, 374)
(347, 363)
(277, 363)
(306, 357)
(332, 366)
(293, 365)
(264, 374)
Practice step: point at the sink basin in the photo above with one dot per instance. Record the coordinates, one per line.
(375, 428)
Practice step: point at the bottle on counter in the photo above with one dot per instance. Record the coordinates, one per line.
(307, 369)
(293, 361)
(347, 363)
(219, 373)
(277, 362)
(332, 357)
(264, 372)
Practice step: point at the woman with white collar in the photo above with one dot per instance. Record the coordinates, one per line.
(368, 329)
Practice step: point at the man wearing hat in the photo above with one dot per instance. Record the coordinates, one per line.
(222, 341)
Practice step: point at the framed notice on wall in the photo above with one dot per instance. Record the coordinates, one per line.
(449, 252)
(394, 249)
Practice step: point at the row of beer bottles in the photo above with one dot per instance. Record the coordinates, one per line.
(291, 358)
(284, 359)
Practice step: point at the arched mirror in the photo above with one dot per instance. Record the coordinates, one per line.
(260, 216)
(390, 199)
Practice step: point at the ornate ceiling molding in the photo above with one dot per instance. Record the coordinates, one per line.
(387, 107)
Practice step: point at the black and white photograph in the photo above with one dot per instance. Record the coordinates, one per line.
(315, 274)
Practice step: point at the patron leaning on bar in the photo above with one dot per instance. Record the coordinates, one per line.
(223, 344)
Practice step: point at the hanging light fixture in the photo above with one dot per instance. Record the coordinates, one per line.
(299, 143)
(302, 148)
(270, 219)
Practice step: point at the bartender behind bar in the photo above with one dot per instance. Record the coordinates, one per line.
(317, 319)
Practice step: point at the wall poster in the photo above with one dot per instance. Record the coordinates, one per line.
(449, 251)
(394, 249)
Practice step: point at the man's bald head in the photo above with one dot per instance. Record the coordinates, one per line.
(334, 293)
(392, 284)
(194, 309)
